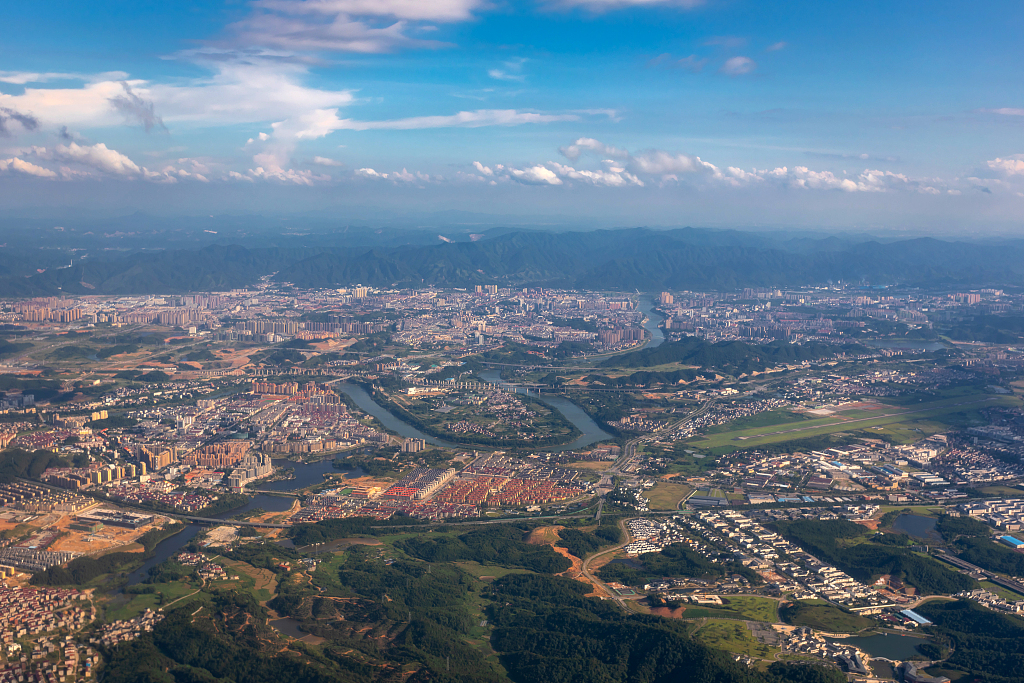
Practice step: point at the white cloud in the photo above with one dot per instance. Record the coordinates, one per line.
(483, 169)
(512, 71)
(658, 162)
(535, 175)
(1004, 111)
(26, 167)
(97, 156)
(775, 47)
(286, 175)
(602, 5)
(1013, 165)
(573, 151)
(500, 75)
(338, 33)
(321, 122)
(324, 161)
(413, 10)
(738, 66)
(613, 177)
(370, 173)
(251, 90)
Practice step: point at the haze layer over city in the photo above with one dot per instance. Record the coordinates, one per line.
(554, 341)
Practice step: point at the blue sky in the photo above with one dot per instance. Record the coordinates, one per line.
(881, 116)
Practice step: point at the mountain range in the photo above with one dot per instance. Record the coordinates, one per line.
(624, 259)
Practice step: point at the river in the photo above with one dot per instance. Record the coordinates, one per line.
(591, 431)
(653, 319)
(306, 474)
(392, 422)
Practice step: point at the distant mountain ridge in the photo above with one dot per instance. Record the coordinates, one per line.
(625, 259)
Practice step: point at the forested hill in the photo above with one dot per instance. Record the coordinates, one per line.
(633, 259)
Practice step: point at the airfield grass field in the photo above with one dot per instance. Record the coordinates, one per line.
(906, 422)
(666, 495)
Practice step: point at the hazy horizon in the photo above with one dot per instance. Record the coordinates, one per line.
(608, 112)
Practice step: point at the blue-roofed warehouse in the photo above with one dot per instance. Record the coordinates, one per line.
(1015, 543)
(911, 614)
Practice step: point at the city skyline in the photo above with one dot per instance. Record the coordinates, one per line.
(712, 113)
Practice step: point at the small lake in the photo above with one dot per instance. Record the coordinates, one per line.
(905, 344)
(917, 526)
(289, 627)
(891, 646)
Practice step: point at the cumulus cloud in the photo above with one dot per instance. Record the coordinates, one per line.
(137, 110)
(97, 156)
(76, 161)
(10, 116)
(614, 176)
(660, 162)
(288, 176)
(251, 89)
(324, 161)
(738, 66)
(1010, 166)
(665, 168)
(26, 167)
(535, 175)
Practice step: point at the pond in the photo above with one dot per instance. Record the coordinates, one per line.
(889, 646)
(917, 526)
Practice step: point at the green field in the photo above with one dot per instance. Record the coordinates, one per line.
(768, 418)
(742, 607)
(478, 570)
(137, 603)
(1004, 593)
(666, 495)
(753, 607)
(824, 617)
(733, 636)
(878, 421)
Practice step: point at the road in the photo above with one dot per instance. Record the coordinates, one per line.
(629, 453)
(585, 569)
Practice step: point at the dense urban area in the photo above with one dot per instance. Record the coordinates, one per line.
(540, 485)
